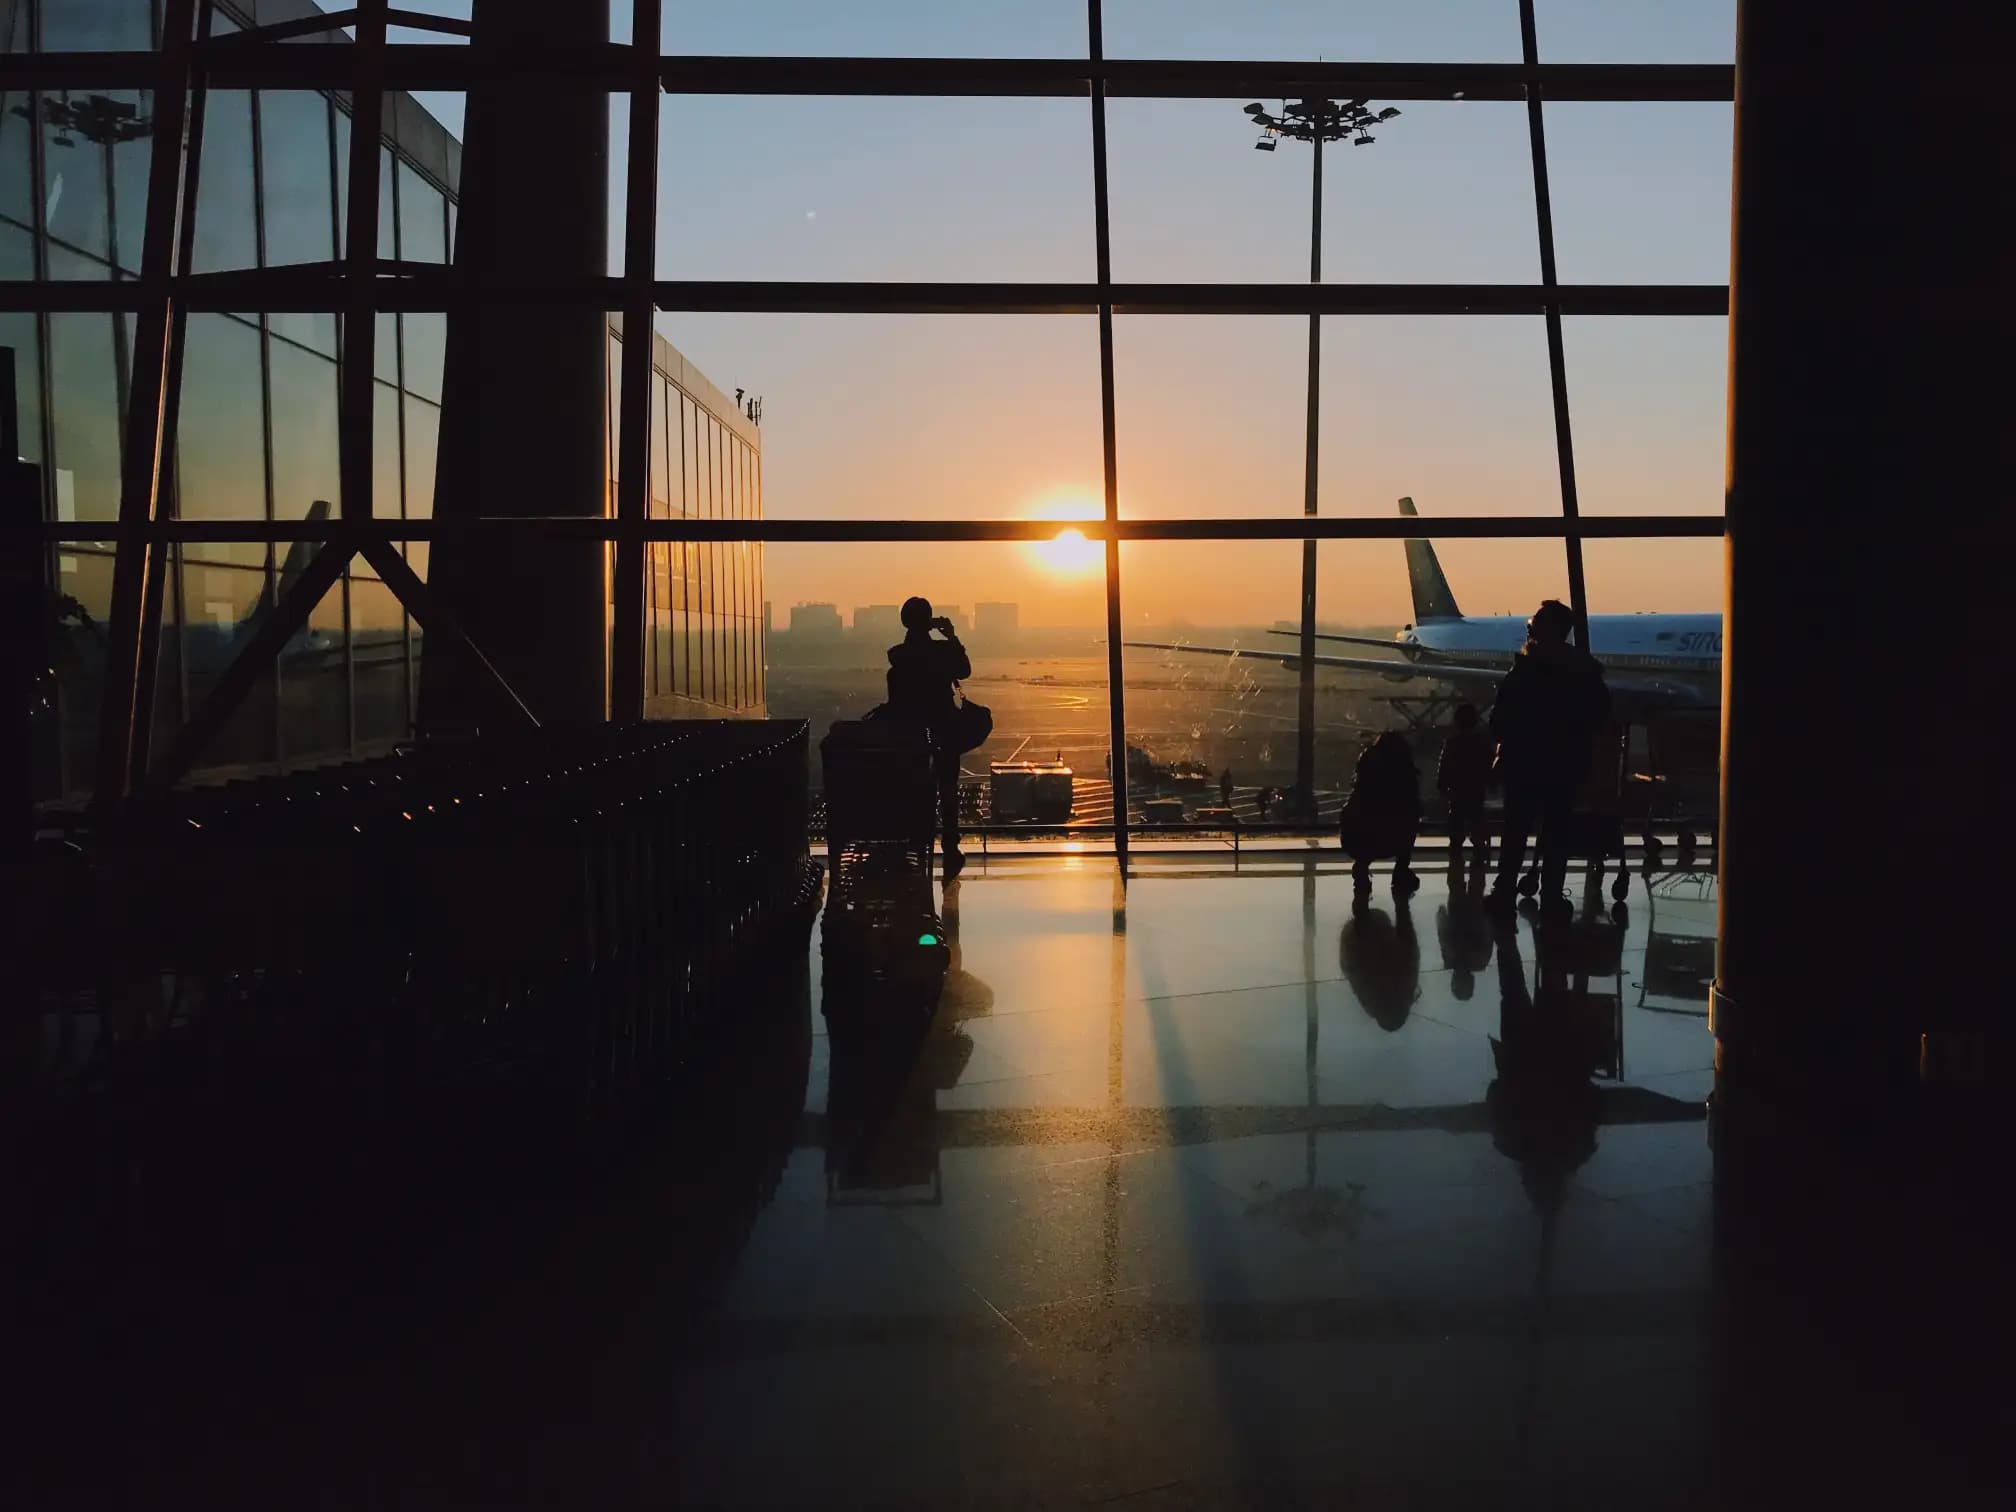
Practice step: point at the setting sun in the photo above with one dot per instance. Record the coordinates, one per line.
(1069, 551)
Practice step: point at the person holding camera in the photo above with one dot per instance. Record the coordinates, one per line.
(923, 674)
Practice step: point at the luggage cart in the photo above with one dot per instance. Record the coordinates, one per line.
(1596, 821)
(1678, 783)
(882, 932)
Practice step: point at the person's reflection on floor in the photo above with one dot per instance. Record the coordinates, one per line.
(1381, 960)
(1543, 1106)
(1463, 928)
(891, 1055)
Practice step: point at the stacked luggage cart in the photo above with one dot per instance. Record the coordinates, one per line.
(882, 928)
(567, 911)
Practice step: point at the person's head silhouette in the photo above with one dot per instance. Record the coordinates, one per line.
(1466, 716)
(1551, 623)
(916, 615)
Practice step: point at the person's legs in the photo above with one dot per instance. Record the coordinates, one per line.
(1521, 808)
(948, 805)
(1554, 846)
(1404, 880)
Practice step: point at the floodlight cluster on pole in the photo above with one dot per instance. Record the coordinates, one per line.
(1315, 122)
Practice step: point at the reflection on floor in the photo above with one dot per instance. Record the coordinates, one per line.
(1203, 1191)
(1211, 1187)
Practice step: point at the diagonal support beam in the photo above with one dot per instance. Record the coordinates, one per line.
(280, 625)
(434, 618)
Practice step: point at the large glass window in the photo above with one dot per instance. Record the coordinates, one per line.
(297, 189)
(96, 146)
(305, 449)
(85, 411)
(97, 25)
(226, 224)
(220, 448)
(423, 225)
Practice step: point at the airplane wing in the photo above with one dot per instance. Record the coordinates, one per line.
(1384, 642)
(1395, 669)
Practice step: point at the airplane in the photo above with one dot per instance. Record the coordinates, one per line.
(1655, 664)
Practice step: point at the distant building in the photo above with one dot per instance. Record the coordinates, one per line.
(997, 620)
(815, 619)
(879, 622)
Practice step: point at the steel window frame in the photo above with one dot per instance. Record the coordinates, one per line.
(360, 285)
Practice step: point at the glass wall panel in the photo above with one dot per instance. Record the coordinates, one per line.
(1650, 31)
(423, 219)
(423, 443)
(69, 744)
(913, 416)
(1044, 678)
(661, 473)
(305, 466)
(1649, 401)
(220, 452)
(314, 682)
(1454, 412)
(378, 649)
(1373, 30)
(426, 345)
(297, 184)
(895, 28)
(17, 183)
(1443, 194)
(1641, 191)
(97, 25)
(223, 604)
(17, 251)
(387, 473)
(17, 334)
(96, 148)
(227, 232)
(84, 410)
(987, 189)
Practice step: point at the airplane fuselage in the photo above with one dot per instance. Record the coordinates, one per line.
(1677, 656)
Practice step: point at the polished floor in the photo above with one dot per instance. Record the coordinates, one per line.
(1208, 1189)
(1211, 1188)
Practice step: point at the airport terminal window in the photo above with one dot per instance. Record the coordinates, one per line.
(304, 429)
(423, 226)
(297, 195)
(387, 487)
(85, 415)
(220, 452)
(978, 416)
(226, 222)
(97, 25)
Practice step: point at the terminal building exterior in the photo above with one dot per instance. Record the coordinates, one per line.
(257, 423)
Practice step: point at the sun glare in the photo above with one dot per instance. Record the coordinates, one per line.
(1068, 551)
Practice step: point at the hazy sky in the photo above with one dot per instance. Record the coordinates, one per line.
(939, 416)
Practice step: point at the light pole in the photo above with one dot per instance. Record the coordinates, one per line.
(1314, 122)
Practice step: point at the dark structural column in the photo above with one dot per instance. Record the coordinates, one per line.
(1865, 846)
(522, 423)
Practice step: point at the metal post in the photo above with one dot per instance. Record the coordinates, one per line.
(1557, 369)
(356, 412)
(633, 433)
(1305, 704)
(141, 472)
(1116, 669)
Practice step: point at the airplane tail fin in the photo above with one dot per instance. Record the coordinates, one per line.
(1432, 598)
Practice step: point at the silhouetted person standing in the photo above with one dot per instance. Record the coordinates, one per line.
(1462, 777)
(922, 672)
(1548, 711)
(1382, 816)
(1225, 787)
